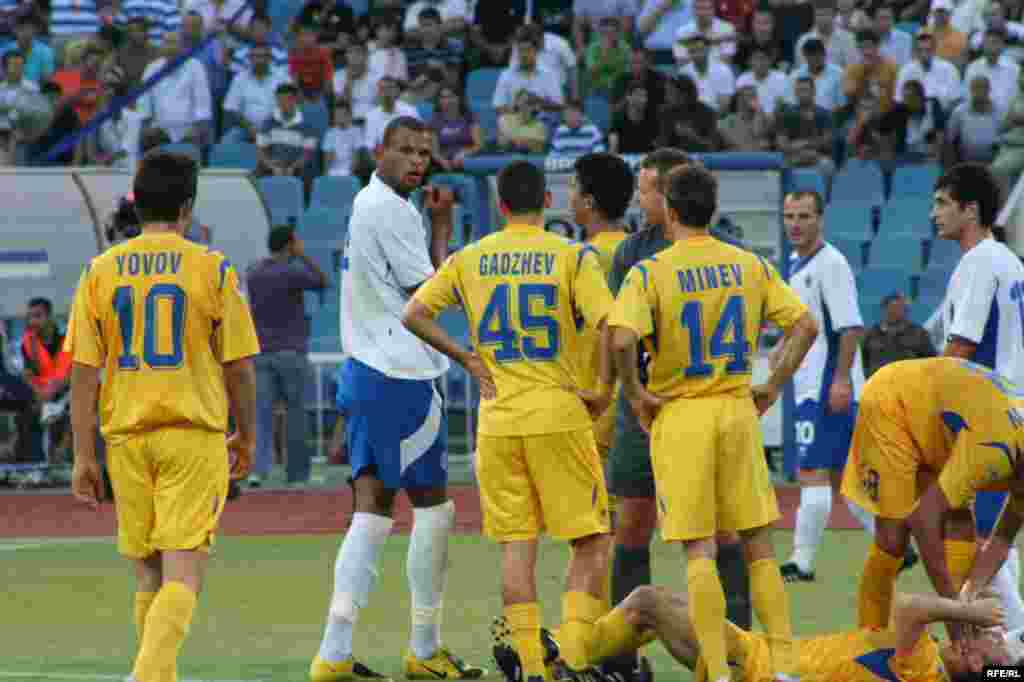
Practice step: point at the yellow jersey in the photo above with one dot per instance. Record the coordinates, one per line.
(698, 305)
(160, 315)
(527, 295)
(966, 421)
(604, 243)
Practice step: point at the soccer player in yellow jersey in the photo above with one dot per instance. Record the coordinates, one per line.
(929, 435)
(525, 292)
(698, 306)
(163, 321)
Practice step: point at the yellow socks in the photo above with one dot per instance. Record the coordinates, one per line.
(579, 613)
(959, 559)
(877, 584)
(167, 623)
(707, 613)
(613, 636)
(524, 622)
(771, 604)
(143, 600)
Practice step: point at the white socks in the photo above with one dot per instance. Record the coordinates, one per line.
(811, 519)
(427, 567)
(866, 519)
(355, 572)
(1008, 590)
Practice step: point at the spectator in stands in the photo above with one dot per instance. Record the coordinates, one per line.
(973, 129)
(772, 86)
(793, 18)
(135, 52)
(212, 54)
(117, 140)
(286, 143)
(1009, 162)
(639, 70)
(388, 108)
(588, 16)
(895, 337)
(435, 51)
(577, 135)
(913, 129)
(386, 57)
(715, 81)
(39, 61)
(840, 47)
(72, 20)
(607, 58)
(720, 35)
(659, 21)
(737, 12)
(276, 287)
(454, 15)
(219, 16)
(356, 84)
(543, 84)
(804, 133)
(423, 90)
(494, 28)
(341, 141)
(828, 78)
(54, 121)
(950, 44)
(762, 35)
(995, 18)
(554, 54)
(894, 44)
(331, 18)
(1001, 71)
(16, 93)
(252, 97)
(519, 130)
(940, 78)
(749, 129)
(260, 33)
(17, 396)
(180, 104)
(47, 366)
(310, 64)
(691, 125)
(79, 81)
(873, 78)
(850, 17)
(635, 129)
(456, 130)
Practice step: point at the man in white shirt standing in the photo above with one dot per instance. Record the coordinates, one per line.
(828, 78)
(395, 427)
(1001, 71)
(982, 319)
(894, 44)
(251, 97)
(771, 84)
(389, 108)
(715, 83)
(528, 75)
(355, 83)
(455, 17)
(941, 79)
(721, 35)
(181, 104)
(839, 43)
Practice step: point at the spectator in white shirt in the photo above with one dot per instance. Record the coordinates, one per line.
(389, 108)
(455, 17)
(772, 85)
(721, 35)
(251, 98)
(828, 78)
(840, 45)
(895, 45)
(995, 17)
(180, 104)
(850, 17)
(15, 94)
(940, 78)
(341, 142)
(232, 16)
(1001, 71)
(715, 82)
(660, 20)
(555, 55)
(544, 85)
(576, 135)
(386, 58)
(587, 14)
(355, 83)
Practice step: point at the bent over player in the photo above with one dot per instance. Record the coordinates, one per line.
(524, 292)
(698, 306)
(165, 323)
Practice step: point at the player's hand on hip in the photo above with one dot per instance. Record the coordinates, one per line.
(240, 450)
(597, 403)
(765, 396)
(645, 406)
(474, 364)
(840, 396)
(87, 482)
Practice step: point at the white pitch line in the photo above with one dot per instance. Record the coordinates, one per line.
(55, 542)
(81, 676)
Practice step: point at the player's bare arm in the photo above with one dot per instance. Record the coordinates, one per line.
(240, 382)
(644, 403)
(912, 613)
(840, 393)
(418, 319)
(598, 402)
(797, 341)
(927, 524)
(439, 202)
(994, 552)
(86, 479)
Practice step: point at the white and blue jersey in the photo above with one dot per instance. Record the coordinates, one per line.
(984, 305)
(395, 421)
(826, 285)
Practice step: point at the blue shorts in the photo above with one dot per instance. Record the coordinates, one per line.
(395, 429)
(822, 438)
(987, 506)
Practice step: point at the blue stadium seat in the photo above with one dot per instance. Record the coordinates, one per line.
(859, 180)
(233, 155)
(335, 192)
(468, 197)
(487, 117)
(283, 198)
(924, 306)
(317, 117)
(324, 226)
(425, 110)
(281, 13)
(359, 7)
(325, 329)
(933, 282)
(599, 110)
(185, 148)
(897, 250)
(915, 180)
(907, 214)
(849, 220)
(855, 251)
(870, 310)
(806, 180)
(943, 253)
(879, 282)
(480, 86)
(911, 27)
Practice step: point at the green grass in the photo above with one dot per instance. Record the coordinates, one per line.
(67, 608)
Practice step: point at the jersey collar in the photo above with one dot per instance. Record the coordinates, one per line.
(801, 263)
(523, 227)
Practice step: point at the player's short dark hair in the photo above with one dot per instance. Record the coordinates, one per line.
(867, 36)
(522, 187)
(692, 192)
(403, 123)
(819, 202)
(608, 179)
(280, 237)
(164, 184)
(286, 89)
(813, 46)
(664, 160)
(969, 183)
(429, 14)
(41, 302)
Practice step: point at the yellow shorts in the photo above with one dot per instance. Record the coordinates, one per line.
(703, 451)
(552, 482)
(169, 490)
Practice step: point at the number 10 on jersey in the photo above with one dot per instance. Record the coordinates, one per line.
(124, 306)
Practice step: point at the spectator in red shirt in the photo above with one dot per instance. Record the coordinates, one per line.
(310, 64)
(80, 83)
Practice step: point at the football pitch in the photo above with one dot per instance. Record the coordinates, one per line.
(66, 612)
